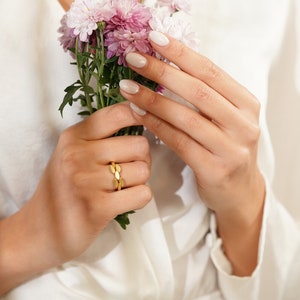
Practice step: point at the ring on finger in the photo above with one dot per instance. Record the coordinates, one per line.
(118, 181)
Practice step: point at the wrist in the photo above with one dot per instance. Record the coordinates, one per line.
(239, 228)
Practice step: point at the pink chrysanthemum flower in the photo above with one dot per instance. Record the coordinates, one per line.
(130, 14)
(121, 42)
(128, 29)
(84, 15)
(67, 38)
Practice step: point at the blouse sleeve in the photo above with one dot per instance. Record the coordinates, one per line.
(278, 248)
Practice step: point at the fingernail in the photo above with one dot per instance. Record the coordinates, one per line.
(137, 109)
(136, 60)
(129, 86)
(158, 38)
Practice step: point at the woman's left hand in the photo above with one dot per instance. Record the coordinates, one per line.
(218, 139)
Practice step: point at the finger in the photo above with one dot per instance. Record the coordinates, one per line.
(131, 174)
(104, 122)
(198, 127)
(202, 68)
(102, 179)
(133, 198)
(208, 101)
(182, 144)
(118, 202)
(119, 149)
(88, 156)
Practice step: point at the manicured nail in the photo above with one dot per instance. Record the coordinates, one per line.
(159, 38)
(136, 60)
(137, 109)
(129, 86)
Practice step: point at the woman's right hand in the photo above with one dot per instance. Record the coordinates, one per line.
(76, 197)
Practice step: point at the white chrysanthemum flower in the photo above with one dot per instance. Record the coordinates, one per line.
(84, 15)
(176, 27)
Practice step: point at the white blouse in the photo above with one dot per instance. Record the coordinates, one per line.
(170, 251)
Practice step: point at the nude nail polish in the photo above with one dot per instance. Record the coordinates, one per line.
(136, 60)
(137, 109)
(129, 86)
(158, 38)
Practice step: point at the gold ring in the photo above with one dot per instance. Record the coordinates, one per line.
(116, 171)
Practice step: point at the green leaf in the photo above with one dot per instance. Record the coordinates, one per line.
(68, 98)
(88, 89)
(111, 60)
(84, 113)
(72, 50)
(123, 219)
(73, 87)
(82, 58)
(115, 94)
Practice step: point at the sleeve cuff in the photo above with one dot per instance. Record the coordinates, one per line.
(234, 286)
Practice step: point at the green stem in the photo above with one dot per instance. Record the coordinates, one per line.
(109, 84)
(101, 56)
(82, 78)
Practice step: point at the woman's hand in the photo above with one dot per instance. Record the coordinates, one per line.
(218, 139)
(76, 197)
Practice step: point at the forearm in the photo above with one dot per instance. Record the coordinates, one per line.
(240, 230)
(22, 249)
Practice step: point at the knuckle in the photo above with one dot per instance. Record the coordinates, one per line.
(161, 72)
(66, 136)
(118, 113)
(146, 195)
(201, 93)
(143, 196)
(156, 125)
(150, 98)
(253, 135)
(250, 133)
(182, 143)
(256, 106)
(67, 156)
(142, 145)
(181, 50)
(211, 72)
(68, 160)
(143, 172)
(190, 119)
(242, 158)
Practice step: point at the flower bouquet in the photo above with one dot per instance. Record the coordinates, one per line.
(99, 34)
